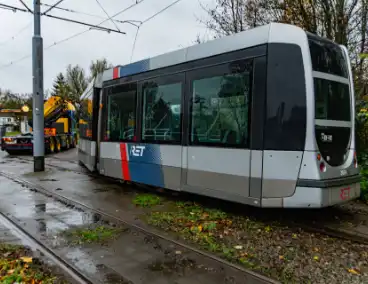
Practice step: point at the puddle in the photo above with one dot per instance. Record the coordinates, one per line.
(173, 264)
(82, 260)
(51, 226)
(139, 257)
(111, 276)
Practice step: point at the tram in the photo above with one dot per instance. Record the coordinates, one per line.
(264, 117)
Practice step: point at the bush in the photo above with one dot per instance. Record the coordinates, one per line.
(361, 127)
(361, 131)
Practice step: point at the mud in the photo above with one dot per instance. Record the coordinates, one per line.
(116, 200)
(27, 248)
(133, 257)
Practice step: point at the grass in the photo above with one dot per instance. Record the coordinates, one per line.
(363, 164)
(204, 226)
(16, 266)
(146, 200)
(364, 184)
(289, 255)
(13, 133)
(197, 224)
(211, 229)
(98, 234)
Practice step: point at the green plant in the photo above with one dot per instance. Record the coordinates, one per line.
(92, 235)
(364, 183)
(146, 200)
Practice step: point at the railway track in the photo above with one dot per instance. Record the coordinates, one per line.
(296, 218)
(252, 277)
(71, 273)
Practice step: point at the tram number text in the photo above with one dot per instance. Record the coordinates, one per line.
(345, 193)
(137, 151)
(326, 138)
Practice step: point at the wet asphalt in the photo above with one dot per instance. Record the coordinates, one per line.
(133, 257)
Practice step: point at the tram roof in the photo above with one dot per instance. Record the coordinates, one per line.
(273, 32)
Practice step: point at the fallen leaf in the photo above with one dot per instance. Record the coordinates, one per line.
(11, 271)
(281, 257)
(178, 252)
(26, 259)
(267, 229)
(316, 258)
(353, 271)
(205, 215)
(238, 247)
(294, 236)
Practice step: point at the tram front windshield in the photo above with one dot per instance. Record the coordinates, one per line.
(332, 100)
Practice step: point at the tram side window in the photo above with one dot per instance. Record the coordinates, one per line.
(85, 121)
(121, 114)
(161, 111)
(220, 105)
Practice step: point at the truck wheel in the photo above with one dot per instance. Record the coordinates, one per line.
(58, 145)
(52, 145)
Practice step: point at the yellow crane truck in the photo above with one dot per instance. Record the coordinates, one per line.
(59, 129)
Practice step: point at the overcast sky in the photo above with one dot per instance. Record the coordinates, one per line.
(173, 29)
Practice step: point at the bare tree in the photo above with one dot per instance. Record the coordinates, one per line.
(343, 21)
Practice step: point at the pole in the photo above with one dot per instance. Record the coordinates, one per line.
(38, 116)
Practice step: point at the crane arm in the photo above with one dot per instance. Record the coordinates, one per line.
(54, 108)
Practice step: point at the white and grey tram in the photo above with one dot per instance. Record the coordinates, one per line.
(263, 117)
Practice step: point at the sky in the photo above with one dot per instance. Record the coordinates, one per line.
(175, 28)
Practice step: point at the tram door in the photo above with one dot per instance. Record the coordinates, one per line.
(217, 159)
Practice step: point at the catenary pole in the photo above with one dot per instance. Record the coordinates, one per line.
(38, 116)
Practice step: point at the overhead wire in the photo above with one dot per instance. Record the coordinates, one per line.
(88, 14)
(72, 36)
(46, 48)
(145, 21)
(102, 8)
(161, 11)
(25, 5)
(52, 7)
(12, 8)
(73, 11)
(84, 24)
(105, 20)
(2, 43)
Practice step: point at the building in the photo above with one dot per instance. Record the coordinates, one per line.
(9, 122)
